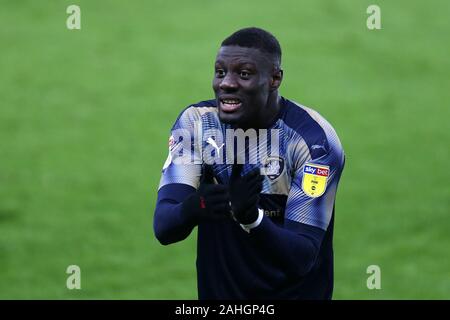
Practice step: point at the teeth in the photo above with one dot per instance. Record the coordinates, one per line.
(231, 101)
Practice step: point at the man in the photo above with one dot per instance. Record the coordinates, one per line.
(265, 227)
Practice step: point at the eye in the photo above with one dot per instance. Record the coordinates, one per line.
(220, 73)
(244, 74)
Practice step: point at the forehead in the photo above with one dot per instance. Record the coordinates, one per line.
(241, 55)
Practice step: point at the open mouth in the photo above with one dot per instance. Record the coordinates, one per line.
(230, 104)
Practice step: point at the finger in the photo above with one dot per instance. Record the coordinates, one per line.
(255, 189)
(207, 174)
(223, 208)
(216, 189)
(252, 199)
(257, 181)
(236, 171)
(218, 199)
(252, 174)
(254, 184)
(251, 205)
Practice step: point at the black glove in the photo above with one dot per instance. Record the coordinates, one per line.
(244, 194)
(210, 202)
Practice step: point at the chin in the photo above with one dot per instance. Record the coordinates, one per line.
(229, 118)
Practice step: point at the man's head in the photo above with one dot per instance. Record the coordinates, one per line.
(247, 77)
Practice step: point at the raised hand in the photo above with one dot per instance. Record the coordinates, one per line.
(211, 201)
(244, 194)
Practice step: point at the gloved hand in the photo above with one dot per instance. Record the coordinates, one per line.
(210, 202)
(244, 194)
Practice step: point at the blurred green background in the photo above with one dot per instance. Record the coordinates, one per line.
(85, 117)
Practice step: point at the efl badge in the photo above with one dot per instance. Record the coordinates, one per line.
(315, 178)
(273, 167)
(171, 143)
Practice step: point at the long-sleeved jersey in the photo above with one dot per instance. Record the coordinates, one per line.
(289, 255)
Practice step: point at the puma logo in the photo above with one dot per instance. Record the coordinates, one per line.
(212, 142)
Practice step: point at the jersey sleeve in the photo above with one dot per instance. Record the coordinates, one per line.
(313, 188)
(183, 163)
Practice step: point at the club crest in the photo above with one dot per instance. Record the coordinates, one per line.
(273, 167)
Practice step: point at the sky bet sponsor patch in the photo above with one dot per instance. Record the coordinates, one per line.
(314, 180)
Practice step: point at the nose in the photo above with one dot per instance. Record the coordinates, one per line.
(228, 83)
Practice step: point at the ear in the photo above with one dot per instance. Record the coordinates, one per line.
(277, 78)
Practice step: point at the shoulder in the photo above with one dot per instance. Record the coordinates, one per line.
(194, 112)
(317, 133)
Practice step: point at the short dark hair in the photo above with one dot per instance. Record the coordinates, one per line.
(255, 38)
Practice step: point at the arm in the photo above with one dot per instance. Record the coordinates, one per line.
(180, 207)
(296, 245)
(180, 178)
(169, 224)
(187, 193)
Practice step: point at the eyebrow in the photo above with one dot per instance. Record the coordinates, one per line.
(238, 63)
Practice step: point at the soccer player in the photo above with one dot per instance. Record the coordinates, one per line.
(265, 226)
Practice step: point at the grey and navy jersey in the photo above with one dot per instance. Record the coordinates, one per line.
(302, 160)
(300, 178)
